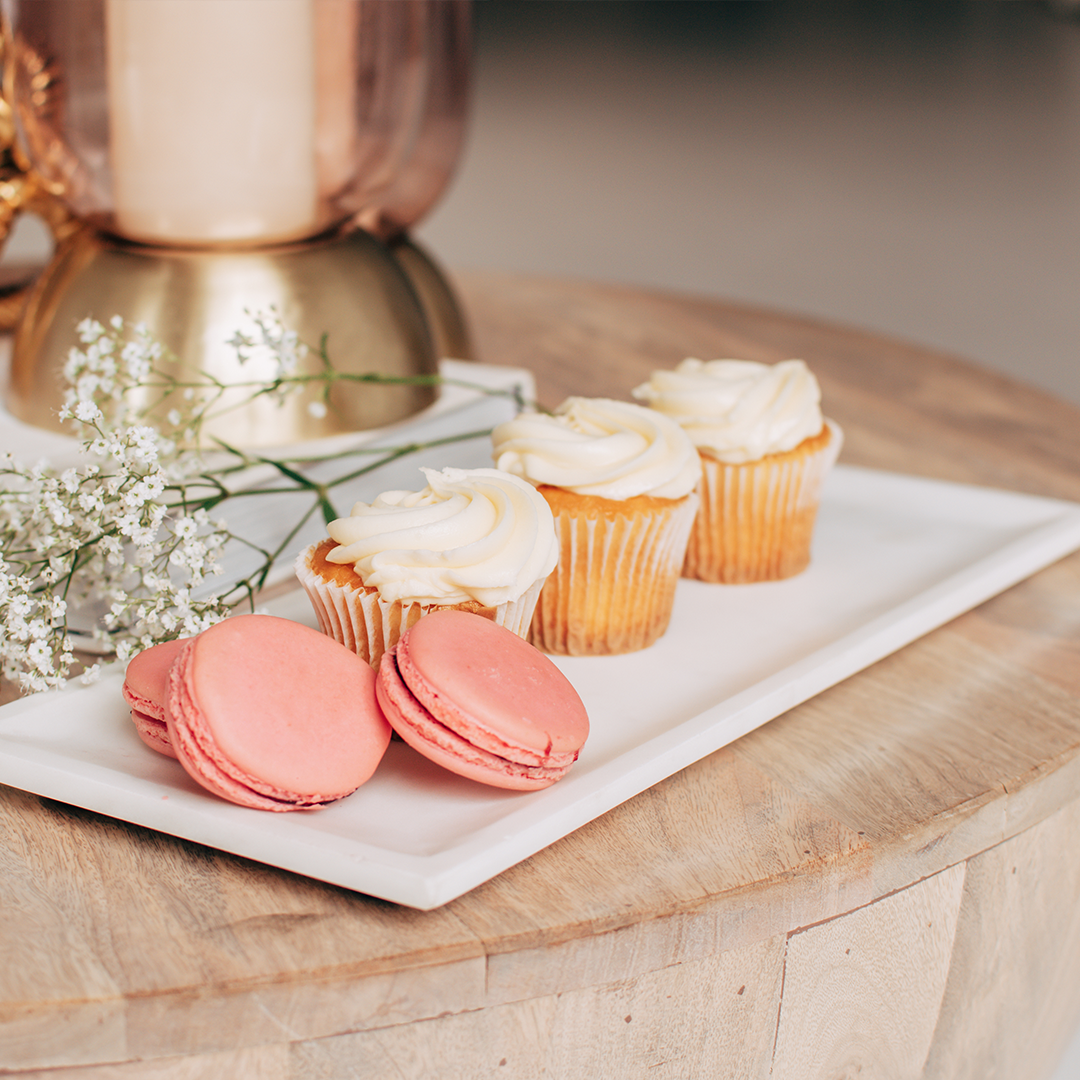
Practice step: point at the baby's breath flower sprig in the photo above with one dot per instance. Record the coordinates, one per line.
(131, 376)
(98, 536)
(126, 541)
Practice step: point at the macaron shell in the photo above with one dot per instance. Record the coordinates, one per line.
(201, 760)
(493, 688)
(267, 712)
(153, 732)
(435, 741)
(146, 690)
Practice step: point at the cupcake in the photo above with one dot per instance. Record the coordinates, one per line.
(477, 540)
(619, 479)
(765, 449)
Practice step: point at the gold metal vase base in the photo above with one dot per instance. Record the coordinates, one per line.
(384, 309)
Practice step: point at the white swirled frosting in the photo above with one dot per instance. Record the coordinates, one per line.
(738, 410)
(471, 534)
(594, 446)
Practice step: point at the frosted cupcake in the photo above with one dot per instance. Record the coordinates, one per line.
(620, 480)
(765, 449)
(479, 540)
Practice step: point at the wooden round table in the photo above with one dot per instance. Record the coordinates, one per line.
(882, 882)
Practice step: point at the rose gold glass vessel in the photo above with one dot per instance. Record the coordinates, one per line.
(212, 158)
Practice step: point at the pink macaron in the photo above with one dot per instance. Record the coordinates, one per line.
(482, 702)
(146, 688)
(271, 714)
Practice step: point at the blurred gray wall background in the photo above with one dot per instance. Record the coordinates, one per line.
(911, 166)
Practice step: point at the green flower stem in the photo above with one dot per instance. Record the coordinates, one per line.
(410, 448)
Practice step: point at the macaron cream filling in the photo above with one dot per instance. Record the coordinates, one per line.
(152, 729)
(147, 709)
(146, 688)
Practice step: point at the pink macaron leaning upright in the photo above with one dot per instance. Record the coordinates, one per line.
(482, 702)
(146, 690)
(271, 714)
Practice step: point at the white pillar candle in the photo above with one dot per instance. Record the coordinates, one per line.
(212, 119)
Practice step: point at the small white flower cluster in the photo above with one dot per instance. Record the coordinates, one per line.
(93, 534)
(131, 377)
(101, 374)
(271, 339)
(282, 352)
(121, 530)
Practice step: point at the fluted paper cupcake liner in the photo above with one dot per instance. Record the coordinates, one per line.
(756, 520)
(368, 625)
(614, 586)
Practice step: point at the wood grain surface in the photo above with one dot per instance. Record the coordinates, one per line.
(881, 883)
